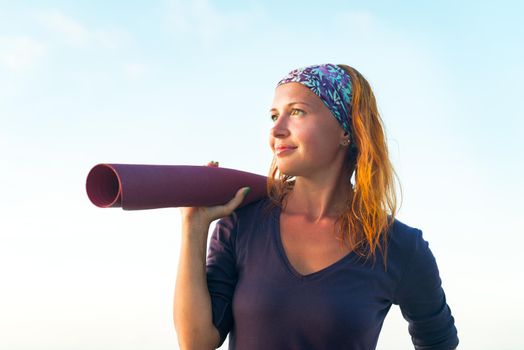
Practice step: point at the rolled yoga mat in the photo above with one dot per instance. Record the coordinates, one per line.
(138, 186)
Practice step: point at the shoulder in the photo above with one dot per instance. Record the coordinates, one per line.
(254, 210)
(403, 237)
(410, 256)
(249, 216)
(240, 227)
(406, 245)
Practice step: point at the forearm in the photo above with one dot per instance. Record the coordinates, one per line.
(192, 303)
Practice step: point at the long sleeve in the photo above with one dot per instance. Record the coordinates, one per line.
(423, 303)
(221, 273)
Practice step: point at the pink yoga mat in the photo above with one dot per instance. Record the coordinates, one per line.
(138, 186)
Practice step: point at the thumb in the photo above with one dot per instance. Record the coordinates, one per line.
(226, 209)
(239, 197)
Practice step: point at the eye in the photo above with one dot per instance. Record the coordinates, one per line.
(296, 111)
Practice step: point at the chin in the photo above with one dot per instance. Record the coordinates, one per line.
(289, 170)
(285, 170)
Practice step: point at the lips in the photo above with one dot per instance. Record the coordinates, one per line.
(283, 148)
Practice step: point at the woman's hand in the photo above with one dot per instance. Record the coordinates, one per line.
(205, 215)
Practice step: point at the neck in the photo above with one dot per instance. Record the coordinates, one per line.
(318, 199)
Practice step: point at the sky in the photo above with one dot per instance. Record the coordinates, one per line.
(185, 82)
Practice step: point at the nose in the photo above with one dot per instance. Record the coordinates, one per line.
(280, 128)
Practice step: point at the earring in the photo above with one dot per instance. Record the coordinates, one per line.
(345, 142)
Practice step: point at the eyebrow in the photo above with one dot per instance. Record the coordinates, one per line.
(291, 104)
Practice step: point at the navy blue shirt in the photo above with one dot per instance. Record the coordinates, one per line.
(262, 302)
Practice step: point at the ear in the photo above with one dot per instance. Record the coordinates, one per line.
(343, 136)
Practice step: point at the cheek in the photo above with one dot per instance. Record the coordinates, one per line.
(307, 133)
(318, 141)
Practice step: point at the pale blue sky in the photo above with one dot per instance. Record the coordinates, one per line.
(185, 82)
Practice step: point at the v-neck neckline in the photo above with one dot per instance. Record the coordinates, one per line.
(280, 245)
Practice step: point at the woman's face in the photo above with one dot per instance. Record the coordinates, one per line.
(305, 137)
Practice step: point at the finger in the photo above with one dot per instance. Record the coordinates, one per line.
(238, 199)
(229, 207)
(212, 164)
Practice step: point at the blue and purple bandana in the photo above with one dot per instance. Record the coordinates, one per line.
(333, 85)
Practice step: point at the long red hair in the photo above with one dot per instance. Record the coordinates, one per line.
(371, 205)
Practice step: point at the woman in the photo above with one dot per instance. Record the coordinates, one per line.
(317, 264)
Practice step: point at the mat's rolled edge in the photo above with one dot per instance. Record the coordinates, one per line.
(103, 186)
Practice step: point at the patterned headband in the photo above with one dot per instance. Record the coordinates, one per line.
(333, 85)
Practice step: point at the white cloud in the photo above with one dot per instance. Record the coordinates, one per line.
(134, 70)
(207, 22)
(111, 38)
(79, 35)
(75, 33)
(19, 53)
(359, 21)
